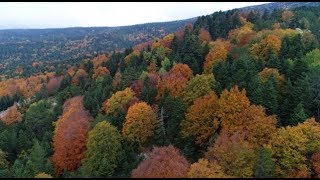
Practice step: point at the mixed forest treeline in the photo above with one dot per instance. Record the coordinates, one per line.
(236, 94)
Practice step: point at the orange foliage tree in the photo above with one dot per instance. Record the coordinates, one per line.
(234, 154)
(140, 123)
(11, 115)
(201, 121)
(287, 17)
(204, 35)
(100, 71)
(162, 162)
(99, 60)
(266, 72)
(80, 73)
(231, 103)
(236, 35)
(175, 81)
(217, 53)
(72, 70)
(272, 42)
(205, 169)
(166, 41)
(53, 84)
(253, 121)
(70, 136)
(182, 69)
(206, 114)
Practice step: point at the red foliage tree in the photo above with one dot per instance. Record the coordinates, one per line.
(53, 84)
(162, 162)
(70, 136)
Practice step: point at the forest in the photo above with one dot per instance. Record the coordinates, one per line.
(30, 51)
(236, 94)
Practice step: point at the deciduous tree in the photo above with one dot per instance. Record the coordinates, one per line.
(162, 162)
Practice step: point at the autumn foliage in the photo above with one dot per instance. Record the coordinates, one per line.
(253, 121)
(291, 146)
(205, 169)
(140, 123)
(70, 136)
(267, 72)
(11, 115)
(175, 81)
(162, 162)
(80, 73)
(204, 35)
(121, 99)
(234, 154)
(26, 87)
(99, 60)
(53, 84)
(100, 71)
(271, 42)
(315, 159)
(201, 120)
(207, 113)
(217, 53)
(182, 69)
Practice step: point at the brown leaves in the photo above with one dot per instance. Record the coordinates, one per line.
(162, 162)
(53, 84)
(205, 115)
(204, 35)
(254, 123)
(315, 159)
(182, 69)
(99, 60)
(234, 154)
(201, 120)
(100, 71)
(175, 81)
(70, 136)
(80, 73)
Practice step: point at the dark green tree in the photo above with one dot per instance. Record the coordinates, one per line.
(265, 166)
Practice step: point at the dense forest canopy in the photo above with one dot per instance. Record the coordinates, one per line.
(234, 94)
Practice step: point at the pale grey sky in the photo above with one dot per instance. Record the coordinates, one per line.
(88, 14)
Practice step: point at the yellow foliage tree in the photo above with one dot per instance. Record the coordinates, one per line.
(291, 146)
(234, 154)
(205, 169)
(232, 103)
(198, 86)
(43, 175)
(140, 123)
(120, 99)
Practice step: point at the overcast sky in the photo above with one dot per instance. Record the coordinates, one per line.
(88, 14)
